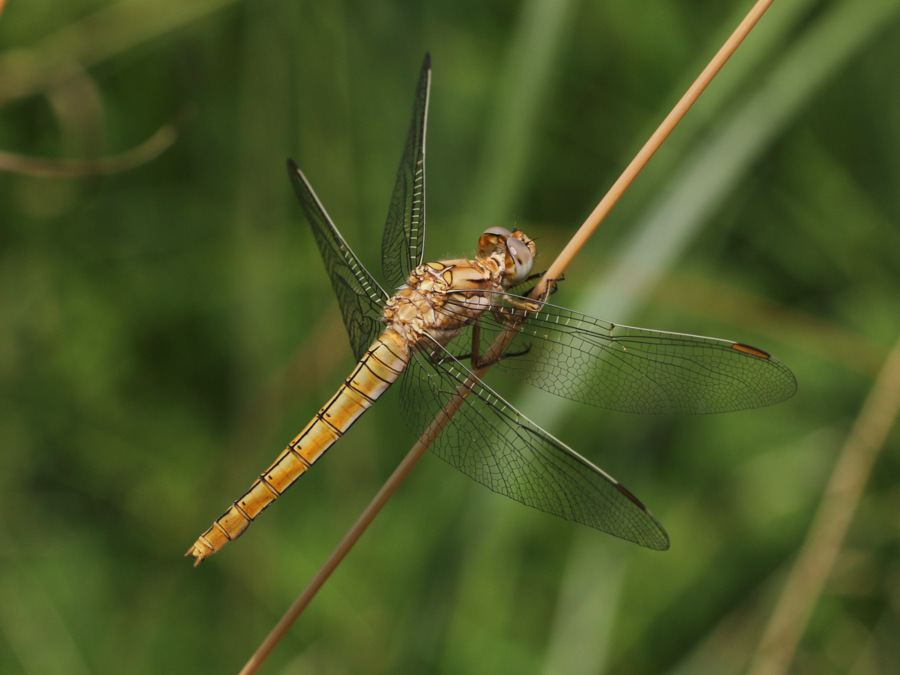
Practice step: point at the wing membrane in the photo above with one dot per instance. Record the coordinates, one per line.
(404, 232)
(496, 445)
(635, 370)
(359, 295)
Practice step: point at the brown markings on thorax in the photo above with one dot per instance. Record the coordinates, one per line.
(430, 304)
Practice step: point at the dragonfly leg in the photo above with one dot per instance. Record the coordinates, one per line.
(438, 359)
(477, 360)
(482, 361)
(552, 285)
(485, 362)
(523, 303)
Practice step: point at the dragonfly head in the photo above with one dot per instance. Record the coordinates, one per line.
(513, 249)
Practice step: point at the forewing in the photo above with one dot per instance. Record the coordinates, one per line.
(359, 295)
(404, 233)
(637, 370)
(496, 445)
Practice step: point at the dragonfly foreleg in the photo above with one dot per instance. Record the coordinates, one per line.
(552, 285)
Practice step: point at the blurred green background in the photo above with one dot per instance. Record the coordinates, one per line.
(165, 330)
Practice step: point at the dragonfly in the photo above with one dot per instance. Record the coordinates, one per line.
(436, 330)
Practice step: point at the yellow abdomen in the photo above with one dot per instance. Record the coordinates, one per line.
(379, 367)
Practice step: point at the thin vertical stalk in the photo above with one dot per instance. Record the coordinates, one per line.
(807, 578)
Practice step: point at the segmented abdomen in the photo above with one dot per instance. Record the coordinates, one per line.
(379, 367)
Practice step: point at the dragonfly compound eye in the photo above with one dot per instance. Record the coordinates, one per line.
(519, 261)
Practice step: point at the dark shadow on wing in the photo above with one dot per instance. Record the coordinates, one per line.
(495, 445)
(636, 370)
(359, 295)
(404, 232)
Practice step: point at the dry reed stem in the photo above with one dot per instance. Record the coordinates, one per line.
(554, 272)
(74, 168)
(826, 535)
(652, 145)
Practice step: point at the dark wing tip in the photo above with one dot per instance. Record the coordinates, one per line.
(752, 351)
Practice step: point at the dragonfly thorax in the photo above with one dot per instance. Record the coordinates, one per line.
(440, 298)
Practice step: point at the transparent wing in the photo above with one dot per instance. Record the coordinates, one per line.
(359, 295)
(404, 233)
(494, 444)
(635, 370)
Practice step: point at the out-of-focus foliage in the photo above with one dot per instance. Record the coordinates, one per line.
(165, 330)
